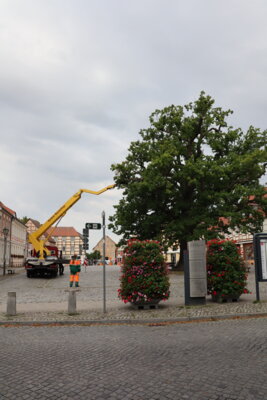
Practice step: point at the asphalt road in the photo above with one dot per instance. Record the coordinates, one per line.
(224, 360)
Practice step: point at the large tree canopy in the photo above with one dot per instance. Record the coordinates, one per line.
(187, 171)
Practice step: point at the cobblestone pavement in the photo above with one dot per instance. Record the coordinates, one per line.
(53, 290)
(47, 299)
(37, 294)
(224, 360)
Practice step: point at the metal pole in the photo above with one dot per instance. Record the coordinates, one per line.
(4, 266)
(186, 279)
(85, 258)
(257, 285)
(256, 247)
(104, 261)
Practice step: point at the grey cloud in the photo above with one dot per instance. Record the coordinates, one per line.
(78, 80)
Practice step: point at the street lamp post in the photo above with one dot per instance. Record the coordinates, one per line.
(5, 233)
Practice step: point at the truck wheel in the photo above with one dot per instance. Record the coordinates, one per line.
(29, 274)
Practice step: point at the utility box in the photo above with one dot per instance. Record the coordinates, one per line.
(195, 273)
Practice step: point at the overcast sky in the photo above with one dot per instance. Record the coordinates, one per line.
(79, 79)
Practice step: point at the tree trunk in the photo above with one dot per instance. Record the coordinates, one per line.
(180, 265)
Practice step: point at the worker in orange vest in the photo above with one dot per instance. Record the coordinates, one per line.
(75, 269)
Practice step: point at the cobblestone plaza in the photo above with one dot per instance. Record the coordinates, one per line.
(43, 299)
(223, 360)
(173, 352)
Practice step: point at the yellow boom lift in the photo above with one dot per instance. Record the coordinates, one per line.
(43, 261)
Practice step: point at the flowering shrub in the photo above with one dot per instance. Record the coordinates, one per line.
(144, 274)
(225, 268)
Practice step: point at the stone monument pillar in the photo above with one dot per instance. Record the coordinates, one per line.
(195, 273)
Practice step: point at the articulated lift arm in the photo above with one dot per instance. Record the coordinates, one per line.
(34, 238)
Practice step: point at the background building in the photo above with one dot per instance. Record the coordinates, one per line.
(111, 249)
(67, 240)
(245, 240)
(16, 240)
(172, 255)
(32, 225)
(6, 215)
(19, 243)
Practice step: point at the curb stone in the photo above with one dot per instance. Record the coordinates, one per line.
(150, 322)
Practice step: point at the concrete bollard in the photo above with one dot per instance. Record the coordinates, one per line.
(72, 302)
(11, 303)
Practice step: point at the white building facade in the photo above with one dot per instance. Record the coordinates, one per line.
(5, 224)
(13, 246)
(18, 243)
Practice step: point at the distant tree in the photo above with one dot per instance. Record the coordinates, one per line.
(94, 255)
(24, 220)
(189, 169)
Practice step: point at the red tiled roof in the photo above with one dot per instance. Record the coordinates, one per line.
(252, 197)
(8, 209)
(225, 221)
(63, 231)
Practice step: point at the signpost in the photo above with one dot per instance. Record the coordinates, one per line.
(260, 256)
(92, 225)
(104, 261)
(96, 225)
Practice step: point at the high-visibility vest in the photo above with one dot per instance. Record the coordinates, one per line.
(75, 266)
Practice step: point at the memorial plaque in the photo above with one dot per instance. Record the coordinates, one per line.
(198, 287)
(197, 268)
(263, 251)
(260, 256)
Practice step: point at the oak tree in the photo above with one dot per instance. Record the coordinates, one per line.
(188, 170)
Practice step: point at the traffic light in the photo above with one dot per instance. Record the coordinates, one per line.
(85, 239)
(85, 232)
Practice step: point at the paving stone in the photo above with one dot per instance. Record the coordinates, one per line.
(224, 360)
(46, 299)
